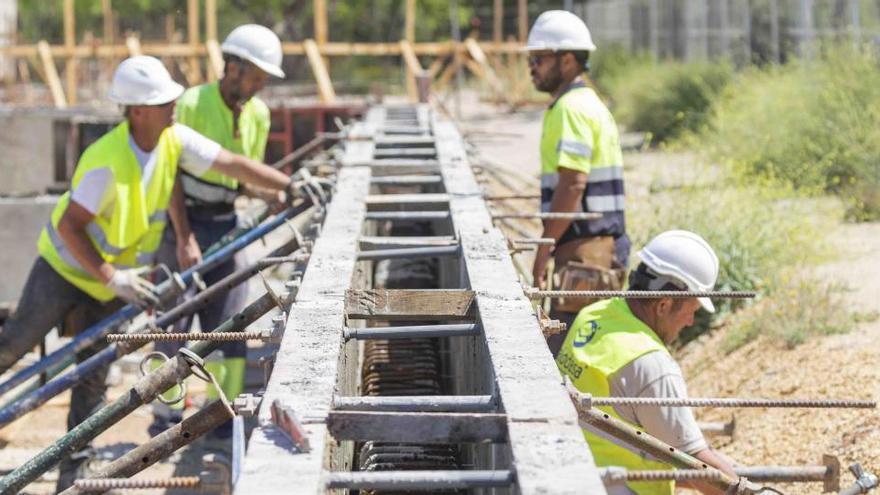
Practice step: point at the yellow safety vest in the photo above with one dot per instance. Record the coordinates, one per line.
(129, 235)
(202, 108)
(604, 338)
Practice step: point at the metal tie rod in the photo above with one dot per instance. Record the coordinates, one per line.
(507, 197)
(416, 252)
(536, 241)
(418, 480)
(416, 403)
(615, 475)
(589, 401)
(104, 484)
(553, 215)
(411, 332)
(406, 180)
(99, 330)
(407, 215)
(638, 294)
(142, 392)
(14, 410)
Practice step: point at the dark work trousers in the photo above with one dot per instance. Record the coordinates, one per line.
(48, 300)
(207, 232)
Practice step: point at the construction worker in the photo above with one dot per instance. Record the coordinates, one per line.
(581, 168)
(617, 347)
(228, 112)
(105, 231)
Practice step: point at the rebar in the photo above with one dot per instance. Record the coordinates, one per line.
(406, 180)
(639, 294)
(411, 332)
(163, 444)
(418, 480)
(410, 403)
(142, 392)
(506, 197)
(553, 215)
(612, 475)
(539, 241)
(139, 484)
(732, 402)
(409, 253)
(185, 337)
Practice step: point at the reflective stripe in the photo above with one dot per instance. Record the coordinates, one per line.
(158, 216)
(549, 180)
(61, 248)
(575, 148)
(207, 193)
(98, 236)
(603, 204)
(614, 172)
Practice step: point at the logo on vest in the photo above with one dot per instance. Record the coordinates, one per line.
(582, 339)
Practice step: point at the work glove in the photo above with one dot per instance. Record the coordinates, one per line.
(130, 286)
(303, 185)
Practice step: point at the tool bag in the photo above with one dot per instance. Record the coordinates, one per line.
(586, 264)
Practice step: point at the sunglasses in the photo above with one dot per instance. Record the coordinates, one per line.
(539, 57)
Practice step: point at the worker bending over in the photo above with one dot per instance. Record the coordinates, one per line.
(228, 112)
(617, 348)
(106, 230)
(581, 168)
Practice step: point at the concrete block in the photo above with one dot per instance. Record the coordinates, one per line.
(21, 220)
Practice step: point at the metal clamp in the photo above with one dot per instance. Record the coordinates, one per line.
(144, 372)
(247, 404)
(197, 367)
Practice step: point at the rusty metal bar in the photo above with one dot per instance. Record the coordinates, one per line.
(637, 294)
(406, 427)
(553, 215)
(411, 332)
(143, 338)
(615, 475)
(418, 480)
(158, 447)
(92, 485)
(424, 403)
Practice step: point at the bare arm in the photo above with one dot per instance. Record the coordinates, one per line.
(249, 171)
(566, 198)
(717, 461)
(72, 229)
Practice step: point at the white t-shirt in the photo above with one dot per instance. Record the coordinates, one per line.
(199, 153)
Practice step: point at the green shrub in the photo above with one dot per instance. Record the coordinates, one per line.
(803, 309)
(814, 125)
(758, 232)
(666, 99)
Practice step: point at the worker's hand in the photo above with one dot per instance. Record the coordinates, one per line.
(188, 252)
(539, 269)
(277, 202)
(130, 286)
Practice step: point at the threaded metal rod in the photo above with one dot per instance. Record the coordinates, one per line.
(139, 484)
(505, 197)
(618, 475)
(418, 480)
(734, 402)
(184, 337)
(539, 241)
(553, 215)
(639, 294)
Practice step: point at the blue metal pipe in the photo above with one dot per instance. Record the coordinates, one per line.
(31, 401)
(100, 330)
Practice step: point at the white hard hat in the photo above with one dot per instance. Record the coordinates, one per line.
(685, 257)
(559, 30)
(143, 80)
(256, 44)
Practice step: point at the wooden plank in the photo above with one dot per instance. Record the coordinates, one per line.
(71, 67)
(522, 16)
(211, 20)
(325, 87)
(51, 74)
(417, 427)
(485, 70)
(413, 69)
(133, 43)
(402, 304)
(320, 26)
(194, 75)
(546, 443)
(215, 58)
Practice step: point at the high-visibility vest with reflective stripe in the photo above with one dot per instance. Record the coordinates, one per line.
(604, 338)
(202, 108)
(579, 133)
(128, 235)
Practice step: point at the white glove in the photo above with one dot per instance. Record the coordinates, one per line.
(131, 287)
